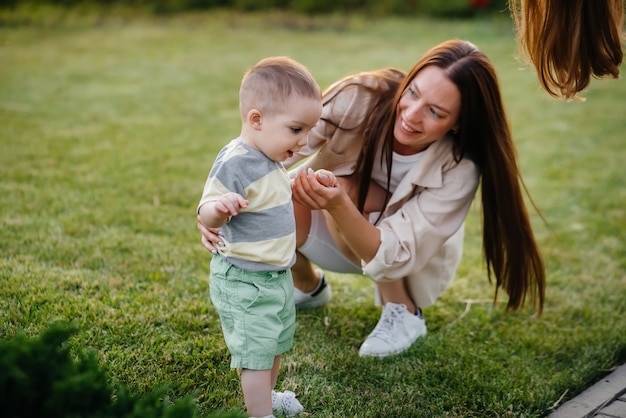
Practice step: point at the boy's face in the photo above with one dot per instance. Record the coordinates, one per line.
(285, 131)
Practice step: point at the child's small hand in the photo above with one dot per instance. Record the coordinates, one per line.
(230, 204)
(326, 178)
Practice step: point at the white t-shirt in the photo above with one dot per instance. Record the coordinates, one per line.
(401, 165)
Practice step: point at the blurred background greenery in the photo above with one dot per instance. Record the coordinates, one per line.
(447, 8)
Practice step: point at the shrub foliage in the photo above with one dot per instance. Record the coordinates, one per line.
(42, 377)
(450, 8)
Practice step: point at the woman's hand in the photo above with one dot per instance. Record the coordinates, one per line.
(309, 190)
(352, 228)
(327, 178)
(210, 236)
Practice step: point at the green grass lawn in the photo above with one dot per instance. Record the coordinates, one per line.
(108, 128)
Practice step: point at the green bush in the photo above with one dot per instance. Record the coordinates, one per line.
(257, 5)
(445, 8)
(439, 8)
(173, 6)
(342, 6)
(41, 377)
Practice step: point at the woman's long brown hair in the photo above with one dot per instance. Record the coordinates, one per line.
(509, 247)
(569, 41)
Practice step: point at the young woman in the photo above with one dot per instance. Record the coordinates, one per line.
(410, 151)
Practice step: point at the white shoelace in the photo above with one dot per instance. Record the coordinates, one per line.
(287, 403)
(392, 314)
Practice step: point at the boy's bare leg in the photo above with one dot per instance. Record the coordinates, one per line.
(275, 369)
(257, 391)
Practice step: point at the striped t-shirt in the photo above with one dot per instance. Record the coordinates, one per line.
(263, 236)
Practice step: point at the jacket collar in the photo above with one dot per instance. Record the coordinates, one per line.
(428, 173)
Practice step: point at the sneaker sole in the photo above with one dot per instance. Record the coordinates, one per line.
(394, 352)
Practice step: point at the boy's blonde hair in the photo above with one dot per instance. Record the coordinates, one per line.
(272, 81)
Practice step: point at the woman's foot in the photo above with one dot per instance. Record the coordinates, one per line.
(397, 330)
(319, 296)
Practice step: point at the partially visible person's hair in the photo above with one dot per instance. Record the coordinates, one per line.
(272, 81)
(483, 135)
(569, 41)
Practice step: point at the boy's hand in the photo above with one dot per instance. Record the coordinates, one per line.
(326, 178)
(229, 204)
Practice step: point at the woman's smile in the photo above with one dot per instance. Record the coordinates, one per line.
(406, 127)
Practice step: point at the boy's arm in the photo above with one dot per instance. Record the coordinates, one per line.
(216, 213)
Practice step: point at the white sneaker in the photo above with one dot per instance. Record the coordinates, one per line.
(318, 297)
(286, 403)
(396, 330)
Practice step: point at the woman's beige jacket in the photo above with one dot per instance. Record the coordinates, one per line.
(422, 226)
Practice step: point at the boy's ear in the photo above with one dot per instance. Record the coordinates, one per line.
(255, 118)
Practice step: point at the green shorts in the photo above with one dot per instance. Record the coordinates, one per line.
(257, 312)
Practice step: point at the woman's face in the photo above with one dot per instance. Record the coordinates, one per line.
(428, 109)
